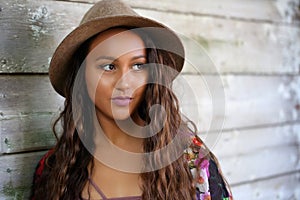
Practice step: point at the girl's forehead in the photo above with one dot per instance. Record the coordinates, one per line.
(116, 42)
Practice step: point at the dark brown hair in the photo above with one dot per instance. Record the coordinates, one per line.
(66, 170)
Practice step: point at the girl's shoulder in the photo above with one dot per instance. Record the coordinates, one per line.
(208, 180)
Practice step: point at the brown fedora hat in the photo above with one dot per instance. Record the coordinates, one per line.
(101, 16)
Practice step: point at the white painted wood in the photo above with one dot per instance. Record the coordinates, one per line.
(264, 10)
(242, 142)
(260, 10)
(239, 101)
(281, 188)
(263, 163)
(236, 46)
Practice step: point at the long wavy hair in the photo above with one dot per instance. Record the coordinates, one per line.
(66, 170)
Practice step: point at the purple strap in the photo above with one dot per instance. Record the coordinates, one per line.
(117, 198)
(98, 189)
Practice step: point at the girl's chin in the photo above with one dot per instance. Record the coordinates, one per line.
(128, 118)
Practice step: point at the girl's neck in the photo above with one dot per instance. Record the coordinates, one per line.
(116, 174)
(120, 133)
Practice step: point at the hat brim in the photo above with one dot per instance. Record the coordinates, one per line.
(163, 38)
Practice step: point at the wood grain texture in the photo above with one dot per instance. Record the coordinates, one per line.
(239, 101)
(261, 164)
(252, 155)
(31, 30)
(282, 187)
(25, 94)
(235, 46)
(27, 133)
(28, 107)
(267, 10)
(284, 11)
(239, 142)
(16, 172)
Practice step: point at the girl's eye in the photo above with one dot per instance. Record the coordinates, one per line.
(108, 67)
(138, 66)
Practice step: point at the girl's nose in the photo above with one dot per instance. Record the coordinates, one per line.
(123, 80)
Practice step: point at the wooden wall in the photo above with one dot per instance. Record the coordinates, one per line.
(254, 45)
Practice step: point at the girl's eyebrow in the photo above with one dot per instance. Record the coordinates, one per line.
(106, 58)
(137, 57)
(112, 58)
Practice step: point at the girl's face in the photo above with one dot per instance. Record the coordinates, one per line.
(116, 75)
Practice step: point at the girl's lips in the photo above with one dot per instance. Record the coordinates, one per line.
(121, 101)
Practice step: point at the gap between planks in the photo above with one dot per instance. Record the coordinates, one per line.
(234, 18)
(266, 125)
(265, 178)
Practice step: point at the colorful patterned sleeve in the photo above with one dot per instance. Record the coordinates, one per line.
(208, 181)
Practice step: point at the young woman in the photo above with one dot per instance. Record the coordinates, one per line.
(123, 136)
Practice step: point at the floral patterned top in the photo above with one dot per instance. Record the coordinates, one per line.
(207, 179)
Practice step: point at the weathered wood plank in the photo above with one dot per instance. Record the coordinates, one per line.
(249, 141)
(236, 46)
(264, 163)
(31, 30)
(249, 101)
(26, 133)
(16, 172)
(282, 187)
(22, 95)
(266, 10)
(28, 105)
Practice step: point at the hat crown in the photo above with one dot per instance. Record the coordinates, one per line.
(101, 16)
(107, 8)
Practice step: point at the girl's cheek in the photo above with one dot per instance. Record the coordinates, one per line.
(92, 80)
(139, 79)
